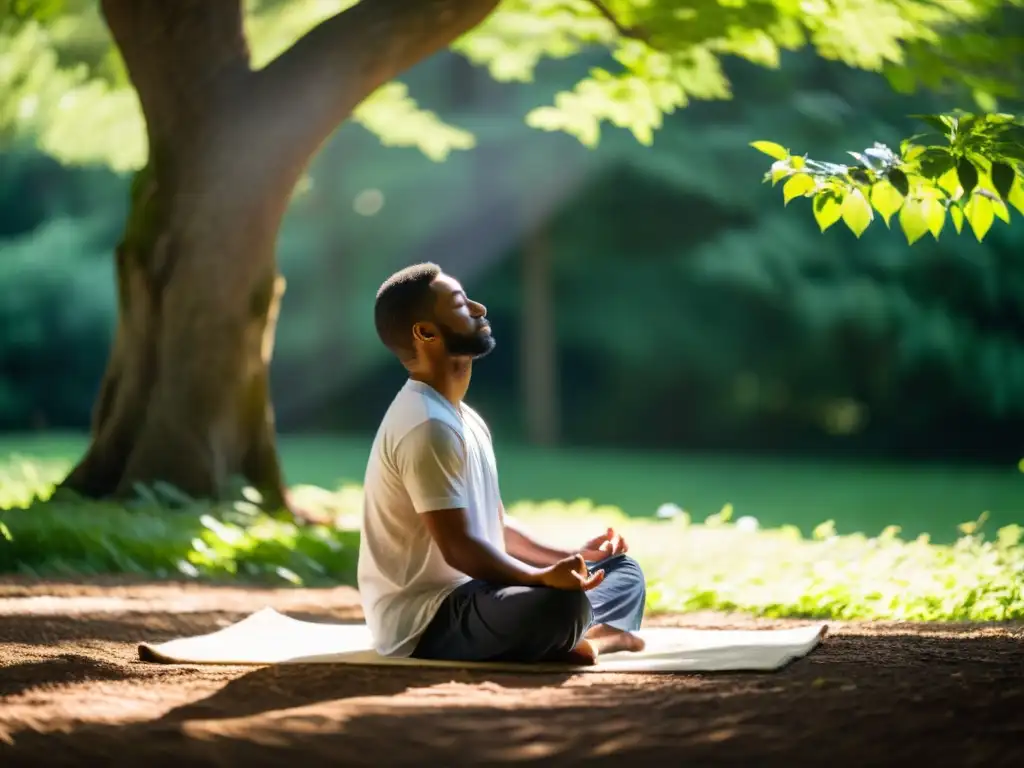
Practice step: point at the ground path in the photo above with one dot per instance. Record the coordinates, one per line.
(72, 692)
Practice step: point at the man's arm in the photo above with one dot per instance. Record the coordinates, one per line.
(524, 547)
(476, 557)
(432, 462)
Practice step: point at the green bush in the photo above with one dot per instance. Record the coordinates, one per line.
(718, 564)
(160, 535)
(728, 565)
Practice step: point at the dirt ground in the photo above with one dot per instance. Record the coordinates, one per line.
(72, 691)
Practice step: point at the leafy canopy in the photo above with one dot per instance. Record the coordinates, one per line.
(62, 84)
(968, 168)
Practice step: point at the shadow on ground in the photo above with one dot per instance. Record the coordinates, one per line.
(912, 695)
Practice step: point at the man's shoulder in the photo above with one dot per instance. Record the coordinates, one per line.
(473, 414)
(412, 408)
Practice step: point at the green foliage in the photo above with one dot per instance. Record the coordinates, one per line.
(67, 108)
(773, 338)
(80, 311)
(399, 121)
(982, 59)
(776, 343)
(63, 86)
(161, 534)
(656, 58)
(778, 574)
(724, 563)
(730, 564)
(31, 10)
(976, 176)
(664, 56)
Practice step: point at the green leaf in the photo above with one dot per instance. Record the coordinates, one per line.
(966, 125)
(986, 101)
(827, 208)
(860, 176)
(780, 170)
(937, 122)
(770, 148)
(1011, 150)
(1000, 210)
(1016, 196)
(911, 152)
(913, 220)
(1010, 535)
(577, 123)
(980, 215)
(899, 181)
(957, 217)
(38, 10)
(949, 182)
(797, 186)
(856, 212)
(968, 175)
(399, 121)
(934, 215)
(935, 161)
(886, 199)
(1003, 177)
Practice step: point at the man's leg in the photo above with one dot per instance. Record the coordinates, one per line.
(618, 603)
(487, 622)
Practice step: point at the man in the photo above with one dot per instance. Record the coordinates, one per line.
(442, 573)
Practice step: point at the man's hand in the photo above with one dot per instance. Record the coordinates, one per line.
(570, 573)
(607, 544)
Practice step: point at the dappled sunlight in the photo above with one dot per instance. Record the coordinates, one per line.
(804, 426)
(722, 562)
(98, 701)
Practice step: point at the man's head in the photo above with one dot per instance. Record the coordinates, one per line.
(423, 313)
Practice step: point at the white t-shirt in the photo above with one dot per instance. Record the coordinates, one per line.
(427, 455)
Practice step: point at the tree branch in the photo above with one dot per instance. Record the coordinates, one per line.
(186, 58)
(633, 32)
(311, 88)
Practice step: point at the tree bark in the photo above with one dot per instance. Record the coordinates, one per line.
(185, 399)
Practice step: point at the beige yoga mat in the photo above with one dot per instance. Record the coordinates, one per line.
(268, 637)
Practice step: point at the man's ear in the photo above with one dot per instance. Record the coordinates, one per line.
(424, 332)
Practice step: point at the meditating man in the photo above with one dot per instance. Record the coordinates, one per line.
(442, 573)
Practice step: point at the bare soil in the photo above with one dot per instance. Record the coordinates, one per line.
(72, 691)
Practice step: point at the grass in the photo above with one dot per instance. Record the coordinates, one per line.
(860, 497)
(722, 562)
(164, 535)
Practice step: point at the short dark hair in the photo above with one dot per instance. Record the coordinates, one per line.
(403, 300)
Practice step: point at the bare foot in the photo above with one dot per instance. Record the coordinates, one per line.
(607, 639)
(584, 654)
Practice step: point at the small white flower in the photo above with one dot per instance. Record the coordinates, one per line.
(747, 524)
(669, 511)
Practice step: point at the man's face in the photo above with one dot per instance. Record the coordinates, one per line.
(461, 322)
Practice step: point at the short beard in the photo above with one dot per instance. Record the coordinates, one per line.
(472, 345)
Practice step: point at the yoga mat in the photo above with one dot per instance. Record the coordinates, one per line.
(268, 637)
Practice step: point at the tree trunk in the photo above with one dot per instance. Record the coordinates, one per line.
(538, 340)
(185, 399)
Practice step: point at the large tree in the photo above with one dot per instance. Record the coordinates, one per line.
(224, 130)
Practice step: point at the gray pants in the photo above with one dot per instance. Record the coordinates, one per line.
(481, 621)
